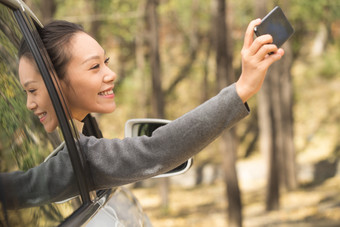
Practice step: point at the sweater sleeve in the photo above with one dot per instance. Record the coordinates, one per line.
(48, 182)
(115, 162)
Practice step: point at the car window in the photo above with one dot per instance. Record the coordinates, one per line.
(24, 143)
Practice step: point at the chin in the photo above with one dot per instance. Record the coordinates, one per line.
(50, 128)
(108, 109)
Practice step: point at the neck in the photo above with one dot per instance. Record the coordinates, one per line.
(79, 125)
(78, 115)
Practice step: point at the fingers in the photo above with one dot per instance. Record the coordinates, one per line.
(270, 59)
(259, 43)
(249, 36)
(264, 50)
(280, 51)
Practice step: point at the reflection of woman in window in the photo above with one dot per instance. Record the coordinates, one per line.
(87, 82)
(37, 96)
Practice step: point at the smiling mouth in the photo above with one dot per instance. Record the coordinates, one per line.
(42, 115)
(105, 93)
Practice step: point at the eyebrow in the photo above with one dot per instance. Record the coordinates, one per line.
(29, 82)
(92, 57)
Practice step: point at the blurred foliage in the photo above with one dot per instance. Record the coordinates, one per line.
(328, 66)
(312, 12)
(307, 15)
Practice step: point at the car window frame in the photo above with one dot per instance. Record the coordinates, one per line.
(32, 41)
(28, 24)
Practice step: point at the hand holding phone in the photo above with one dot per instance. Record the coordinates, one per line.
(277, 25)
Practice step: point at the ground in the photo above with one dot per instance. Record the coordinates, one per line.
(313, 205)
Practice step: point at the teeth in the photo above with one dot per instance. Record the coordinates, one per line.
(110, 92)
(41, 115)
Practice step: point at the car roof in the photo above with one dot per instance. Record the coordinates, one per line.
(19, 4)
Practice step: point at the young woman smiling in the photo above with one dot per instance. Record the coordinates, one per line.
(88, 83)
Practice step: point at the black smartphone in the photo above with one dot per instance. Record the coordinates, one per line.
(277, 25)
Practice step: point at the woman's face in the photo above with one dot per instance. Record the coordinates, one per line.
(38, 99)
(88, 83)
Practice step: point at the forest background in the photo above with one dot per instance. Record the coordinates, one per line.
(278, 167)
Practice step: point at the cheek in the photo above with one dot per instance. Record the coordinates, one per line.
(88, 93)
(82, 91)
(80, 88)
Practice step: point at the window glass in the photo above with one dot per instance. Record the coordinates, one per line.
(24, 143)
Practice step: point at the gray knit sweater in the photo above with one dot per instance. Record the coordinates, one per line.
(115, 162)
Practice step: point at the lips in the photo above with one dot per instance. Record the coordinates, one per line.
(105, 93)
(41, 116)
(108, 93)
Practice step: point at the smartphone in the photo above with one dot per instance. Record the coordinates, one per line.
(277, 25)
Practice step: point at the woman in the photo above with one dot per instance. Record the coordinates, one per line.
(81, 65)
(87, 82)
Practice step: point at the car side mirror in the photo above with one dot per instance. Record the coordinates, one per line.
(146, 126)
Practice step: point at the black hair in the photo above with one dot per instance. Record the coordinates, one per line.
(56, 37)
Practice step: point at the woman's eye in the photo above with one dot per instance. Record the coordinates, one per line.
(106, 61)
(95, 66)
(32, 91)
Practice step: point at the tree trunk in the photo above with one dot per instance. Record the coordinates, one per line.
(140, 59)
(291, 181)
(205, 82)
(233, 194)
(269, 144)
(276, 124)
(283, 115)
(157, 96)
(225, 76)
(268, 129)
(95, 9)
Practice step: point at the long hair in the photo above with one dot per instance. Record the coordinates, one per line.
(56, 37)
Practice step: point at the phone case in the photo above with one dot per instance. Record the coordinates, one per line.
(276, 24)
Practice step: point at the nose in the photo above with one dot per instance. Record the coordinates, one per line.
(30, 104)
(110, 76)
